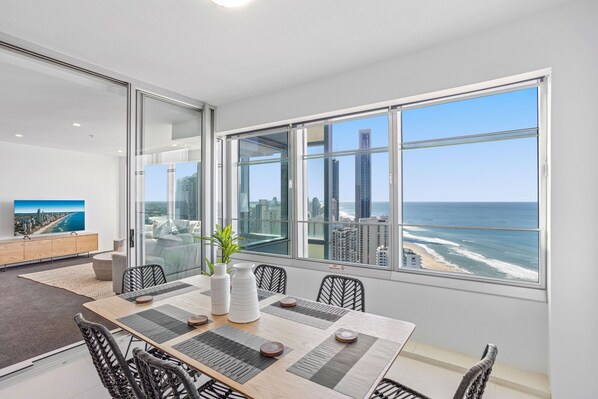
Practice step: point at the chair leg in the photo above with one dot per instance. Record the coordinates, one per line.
(129, 346)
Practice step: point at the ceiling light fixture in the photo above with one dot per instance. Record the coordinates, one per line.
(76, 124)
(175, 145)
(120, 151)
(18, 135)
(231, 3)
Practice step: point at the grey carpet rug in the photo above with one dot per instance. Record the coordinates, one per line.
(37, 318)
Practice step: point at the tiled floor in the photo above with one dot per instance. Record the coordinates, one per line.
(71, 375)
(440, 383)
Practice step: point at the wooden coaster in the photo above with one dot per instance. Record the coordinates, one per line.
(271, 349)
(197, 320)
(288, 302)
(345, 336)
(144, 299)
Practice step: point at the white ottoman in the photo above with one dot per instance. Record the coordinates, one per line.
(102, 266)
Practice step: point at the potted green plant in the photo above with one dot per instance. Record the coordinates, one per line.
(227, 242)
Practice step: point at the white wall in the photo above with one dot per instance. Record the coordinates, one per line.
(31, 172)
(562, 39)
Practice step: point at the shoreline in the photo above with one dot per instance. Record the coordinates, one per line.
(429, 261)
(43, 230)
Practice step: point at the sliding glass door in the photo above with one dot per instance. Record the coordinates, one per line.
(168, 195)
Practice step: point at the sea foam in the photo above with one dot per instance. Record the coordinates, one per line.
(505, 267)
(429, 240)
(441, 258)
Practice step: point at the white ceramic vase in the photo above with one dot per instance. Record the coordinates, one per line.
(244, 305)
(220, 289)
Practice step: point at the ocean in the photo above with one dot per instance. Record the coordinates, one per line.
(73, 222)
(490, 253)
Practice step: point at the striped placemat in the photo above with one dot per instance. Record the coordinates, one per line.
(351, 369)
(160, 324)
(230, 351)
(314, 314)
(162, 291)
(261, 294)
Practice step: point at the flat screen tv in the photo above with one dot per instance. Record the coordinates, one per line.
(34, 217)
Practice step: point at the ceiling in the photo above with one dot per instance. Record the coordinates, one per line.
(40, 102)
(221, 55)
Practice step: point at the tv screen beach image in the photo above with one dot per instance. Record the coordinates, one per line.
(48, 216)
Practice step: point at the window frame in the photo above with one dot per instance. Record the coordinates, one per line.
(231, 216)
(529, 290)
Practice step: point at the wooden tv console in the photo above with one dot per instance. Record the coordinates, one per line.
(18, 250)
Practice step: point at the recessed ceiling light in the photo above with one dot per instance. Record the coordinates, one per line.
(76, 124)
(231, 3)
(18, 135)
(120, 151)
(175, 145)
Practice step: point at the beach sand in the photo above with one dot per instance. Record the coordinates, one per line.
(429, 261)
(43, 230)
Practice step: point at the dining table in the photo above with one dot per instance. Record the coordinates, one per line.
(313, 364)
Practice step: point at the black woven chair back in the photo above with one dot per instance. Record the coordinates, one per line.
(271, 278)
(163, 379)
(108, 360)
(344, 292)
(474, 381)
(140, 277)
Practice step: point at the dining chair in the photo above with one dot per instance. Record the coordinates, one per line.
(117, 375)
(164, 379)
(271, 278)
(344, 292)
(471, 387)
(139, 277)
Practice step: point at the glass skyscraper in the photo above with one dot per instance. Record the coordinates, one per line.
(363, 177)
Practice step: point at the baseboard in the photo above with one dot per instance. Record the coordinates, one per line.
(510, 377)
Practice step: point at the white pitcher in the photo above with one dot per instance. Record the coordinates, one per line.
(244, 304)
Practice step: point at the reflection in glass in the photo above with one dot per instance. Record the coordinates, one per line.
(505, 254)
(187, 190)
(261, 148)
(170, 157)
(156, 194)
(264, 235)
(263, 193)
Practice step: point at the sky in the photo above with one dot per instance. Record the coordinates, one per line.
(493, 171)
(156, 183)
(31, 206)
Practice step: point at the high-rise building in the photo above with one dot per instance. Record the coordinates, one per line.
(382, 256)
(260, 215)
(373, 233)
(411, 260)
(315, 207)
(335, 190)
(344, 245)
(187, 198)
(363, 177)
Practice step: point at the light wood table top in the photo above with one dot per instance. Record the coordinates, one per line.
(275, 381)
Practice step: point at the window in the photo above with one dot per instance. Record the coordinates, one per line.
(470, 186)
(345, 216)
(262, 206)
(446, 187)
